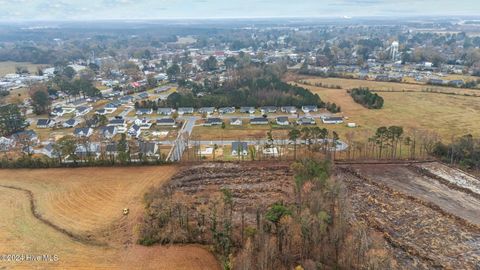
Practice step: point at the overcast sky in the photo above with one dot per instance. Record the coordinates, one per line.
(168, 9)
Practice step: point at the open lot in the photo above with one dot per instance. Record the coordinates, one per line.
(80, 212)
(446, 115)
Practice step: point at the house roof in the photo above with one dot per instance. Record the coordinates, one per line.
(239, 146)
(213, 120)
(166, 121)
(71, 121)
(282, 119)
(333, 118)
(43, 122)
(259, 119)
(82, 131)
(147, 147)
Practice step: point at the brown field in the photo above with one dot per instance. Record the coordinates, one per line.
(445, 115)
(390, 86)
(9, 67)
(245, 132)
(79, 218)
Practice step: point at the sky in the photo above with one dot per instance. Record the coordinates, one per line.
(19, 10)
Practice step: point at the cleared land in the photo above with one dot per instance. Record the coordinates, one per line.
(445, 115)
(78, 216)
(428, 224)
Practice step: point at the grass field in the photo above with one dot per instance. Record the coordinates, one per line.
(9, 67)
(446, 115)
(390, 86)
(84, 224)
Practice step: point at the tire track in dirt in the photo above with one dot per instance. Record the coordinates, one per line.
(39, 217)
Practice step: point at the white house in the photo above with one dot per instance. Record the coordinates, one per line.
(143, 123)
(236, 122)
(45, 123)
(70, 123)
(282, 121)
(83, 132)
(83, 110)
(309, 109)
(135, 131)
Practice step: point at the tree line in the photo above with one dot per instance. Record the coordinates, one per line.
(366, 98)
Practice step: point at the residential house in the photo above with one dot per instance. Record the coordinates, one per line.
(6, 144)
(126, 99)
(111, 107)
(148, 149)
(143, 123)
(82, 110)
(120, 124)
(144, 111)
(226, 110)
(83, 132)
(143, 95)
(213, 121)
(57, 111)
(135, 131)
(185, 110)
(70, 123)
(101, 112)
(236, 122)
(332, 120)
(289, 109)
(306, 121)
(206, 110)
(282, 121)
(90, 150)
(108, 132)
(249, 110)
(259, 121)
(111, 149)
(165, 111)
(309, 109)
(26, 135)
(170, 122)
(239, 148)
(268, 109)
(49, 151)
(45, 123)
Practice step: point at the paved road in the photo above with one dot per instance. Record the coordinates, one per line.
(180, 144)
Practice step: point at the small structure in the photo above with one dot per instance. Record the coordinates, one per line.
(144, 111)
(351, 125)
(148, 149)
(268, 109)
(239, 149)
(332, 120)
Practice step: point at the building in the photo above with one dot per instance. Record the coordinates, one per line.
(185, 110)
(45, 123)
(82, 110)
(170, 122)
(213, 121)
(165, 111)
(57, 111)
(309, 109)
(239, 149)
(206, 110)
(226, 110)
(108, 132)
(332, 120)
(143, 123)
(282, 121)
(259, 121)
(83, 132)
(289, 109)
(268, 109)
(148, 149)
(250, 110)
(90, 150)
(70, 123)
(135, 131)
(236, 122)
(306, 121)
(28, 135)
(144, 111)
